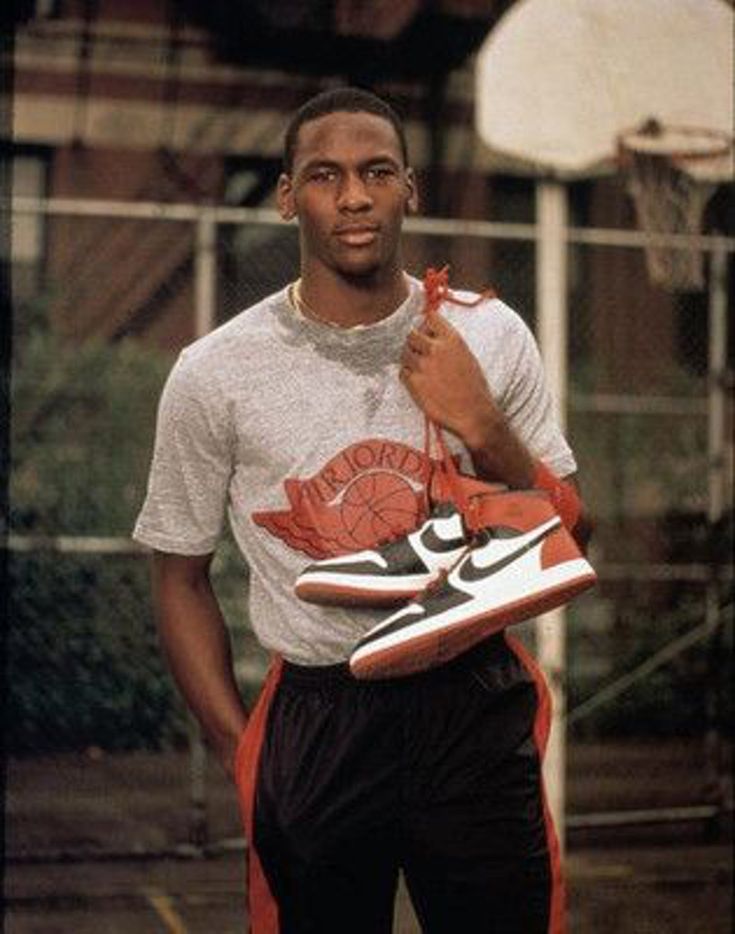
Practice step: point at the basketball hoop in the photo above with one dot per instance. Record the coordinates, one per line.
(671, 173)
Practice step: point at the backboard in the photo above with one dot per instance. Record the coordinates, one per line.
(557, 81)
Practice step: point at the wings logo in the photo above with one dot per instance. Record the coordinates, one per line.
(369, 491)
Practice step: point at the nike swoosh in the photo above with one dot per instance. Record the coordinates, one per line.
(470, 573)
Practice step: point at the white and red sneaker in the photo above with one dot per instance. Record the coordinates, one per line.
(523, 562)
(390, 573)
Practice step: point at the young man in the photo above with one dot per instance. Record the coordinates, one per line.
(304, 418)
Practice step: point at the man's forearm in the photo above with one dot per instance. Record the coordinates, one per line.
(498, 455)
(197, 646)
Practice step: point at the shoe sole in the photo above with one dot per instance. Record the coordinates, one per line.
(428, 643)
(326, 593)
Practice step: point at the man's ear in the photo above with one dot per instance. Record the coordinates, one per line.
(285, 198)
(412, 199)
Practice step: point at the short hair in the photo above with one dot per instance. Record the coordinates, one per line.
(340, 100)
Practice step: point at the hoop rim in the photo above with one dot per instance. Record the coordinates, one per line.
(649, 140)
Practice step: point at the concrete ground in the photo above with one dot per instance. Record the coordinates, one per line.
(674, 889)
(97, 843)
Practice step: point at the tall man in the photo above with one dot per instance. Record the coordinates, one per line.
(303, 417)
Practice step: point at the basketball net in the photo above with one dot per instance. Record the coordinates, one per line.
(671, 173)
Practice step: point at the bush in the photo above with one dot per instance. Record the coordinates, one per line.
(84, 667)
(683, 697)
(83, 659)
(83, 418)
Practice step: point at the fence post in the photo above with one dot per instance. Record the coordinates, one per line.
(205, 293)
(205, 297)
(716, 504)
(551, 323)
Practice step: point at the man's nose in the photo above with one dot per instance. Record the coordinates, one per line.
(353, 193)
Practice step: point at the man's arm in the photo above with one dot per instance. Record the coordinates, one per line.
(447, 383)
(196, 643)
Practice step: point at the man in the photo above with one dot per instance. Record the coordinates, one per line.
(304, 417)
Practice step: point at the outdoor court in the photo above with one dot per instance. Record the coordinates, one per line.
(64, 811)
(682, 888)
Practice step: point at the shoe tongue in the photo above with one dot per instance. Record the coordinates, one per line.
(484, 535)
(481, 537)
(444, 510)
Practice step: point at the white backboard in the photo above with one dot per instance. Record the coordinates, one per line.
(558, 80)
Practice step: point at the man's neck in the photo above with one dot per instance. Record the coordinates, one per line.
(347, 302)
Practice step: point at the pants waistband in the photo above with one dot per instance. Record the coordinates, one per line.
(340, 674)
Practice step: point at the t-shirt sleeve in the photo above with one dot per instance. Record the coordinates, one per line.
(528, 404)
(186, 500)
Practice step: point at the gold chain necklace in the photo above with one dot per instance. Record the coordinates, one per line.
(307, 311)
(300, 306)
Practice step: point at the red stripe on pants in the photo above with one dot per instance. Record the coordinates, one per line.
(541, 729)
(262, 907)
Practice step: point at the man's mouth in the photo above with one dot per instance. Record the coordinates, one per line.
(357, 234)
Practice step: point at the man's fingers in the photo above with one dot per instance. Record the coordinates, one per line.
(406, 373)
(410, 361)
(419, 343)
(436, 325)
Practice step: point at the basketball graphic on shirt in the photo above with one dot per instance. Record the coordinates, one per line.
(377, 506)
(366, 493)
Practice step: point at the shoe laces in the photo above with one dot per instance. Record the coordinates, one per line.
(437, 292)
(437, 583)
(434, 585)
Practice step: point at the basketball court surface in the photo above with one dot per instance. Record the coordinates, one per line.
(661, 880)
(665, 890)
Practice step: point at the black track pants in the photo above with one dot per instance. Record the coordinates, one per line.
(436, 774)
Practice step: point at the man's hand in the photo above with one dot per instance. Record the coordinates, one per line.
(447, 383)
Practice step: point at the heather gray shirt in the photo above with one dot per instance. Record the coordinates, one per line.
(306, 437)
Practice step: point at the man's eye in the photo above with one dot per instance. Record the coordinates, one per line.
(323, 175)
(380, 172)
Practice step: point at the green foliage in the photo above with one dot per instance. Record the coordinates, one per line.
(647, 461)
(644, 474)
(683, 697)
(83, 660)
(642, 465)
(84, 667)
(82, 428)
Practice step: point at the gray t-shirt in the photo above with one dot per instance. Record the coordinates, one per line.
(306, 436)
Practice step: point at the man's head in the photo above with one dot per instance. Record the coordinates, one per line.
(340, 100)
(347, 182)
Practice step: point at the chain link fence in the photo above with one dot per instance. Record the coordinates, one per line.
(122, 289)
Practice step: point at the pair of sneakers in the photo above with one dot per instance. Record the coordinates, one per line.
(464, 579)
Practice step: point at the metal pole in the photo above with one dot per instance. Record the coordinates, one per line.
(551, 323)
(716, 504)
(204, 321)
(206, 273)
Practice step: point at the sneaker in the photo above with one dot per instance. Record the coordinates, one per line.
(390, 573)
(522, 563)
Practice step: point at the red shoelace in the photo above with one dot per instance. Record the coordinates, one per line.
(437, 292)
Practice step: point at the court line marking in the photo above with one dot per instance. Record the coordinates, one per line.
(162, 904)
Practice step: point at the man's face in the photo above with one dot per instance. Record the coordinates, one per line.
(350, 190)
